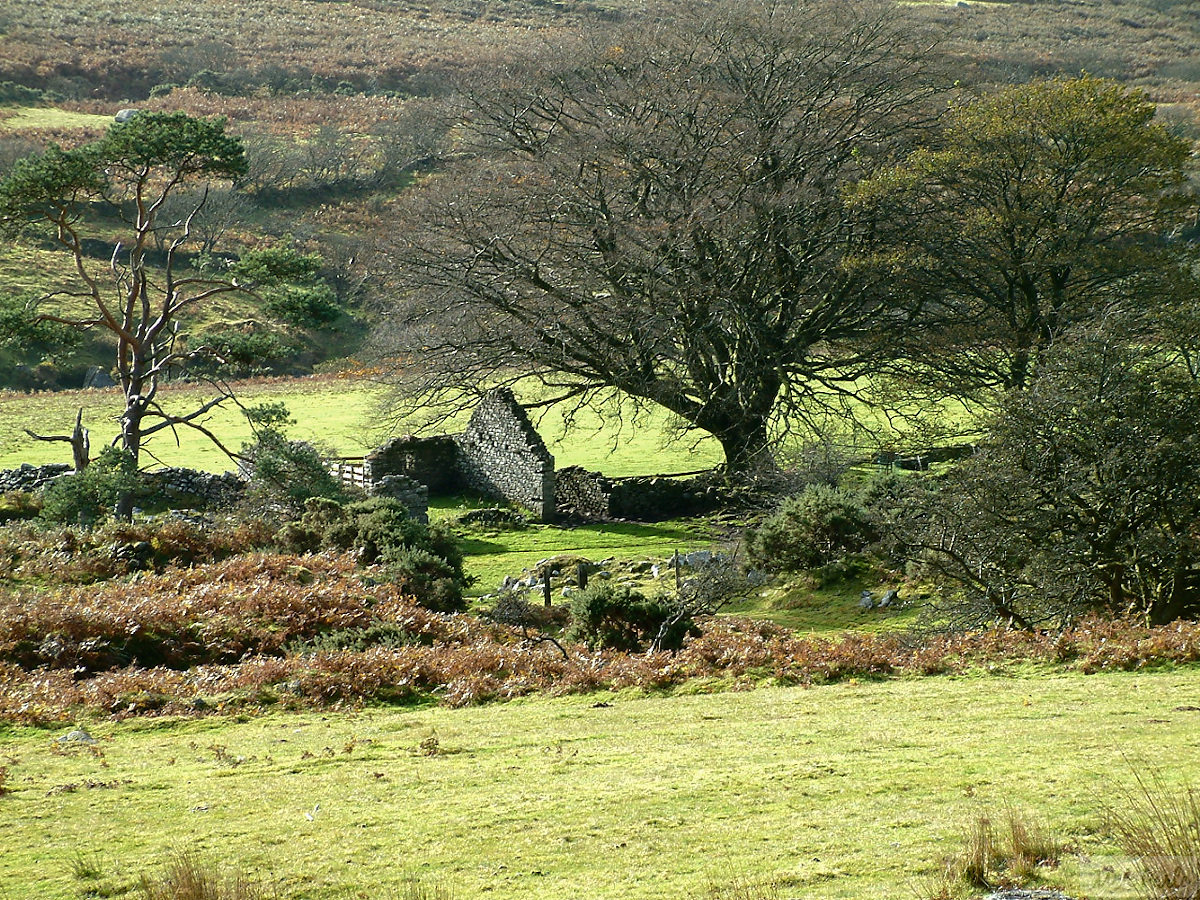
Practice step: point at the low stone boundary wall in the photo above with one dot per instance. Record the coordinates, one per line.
(172, 486)
(31, 478)
(651, 498)
(919, 460)
(191, 487)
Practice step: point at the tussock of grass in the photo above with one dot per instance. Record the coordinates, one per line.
(740, 887)
(1160, 830)
(1010, 852)
(186, 877)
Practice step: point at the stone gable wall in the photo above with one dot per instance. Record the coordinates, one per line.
(501, 455)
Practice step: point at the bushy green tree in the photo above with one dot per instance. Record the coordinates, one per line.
(292, 285)
(1043, 205)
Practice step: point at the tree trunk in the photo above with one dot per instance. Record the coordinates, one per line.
(78, 439)
(131, 442)
(747, 447)
(1181, 601)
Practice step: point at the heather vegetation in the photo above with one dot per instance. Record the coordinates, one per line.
(910, 290)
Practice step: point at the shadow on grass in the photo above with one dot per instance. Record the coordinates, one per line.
(472, 546)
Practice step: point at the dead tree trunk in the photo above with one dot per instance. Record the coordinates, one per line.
(78, 439)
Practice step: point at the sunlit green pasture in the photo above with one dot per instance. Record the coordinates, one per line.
(342, 415)
(853, 790)
(346, 417)
(491, 555)
(22, 117)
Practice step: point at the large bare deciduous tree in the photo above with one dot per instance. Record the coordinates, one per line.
(657, 210)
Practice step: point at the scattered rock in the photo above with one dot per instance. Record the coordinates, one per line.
(497, 517)
(78, 736)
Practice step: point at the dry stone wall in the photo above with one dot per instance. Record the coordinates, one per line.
(405, 490)
(31, 478)
(192, 488)
(175, 487)
(593, 496)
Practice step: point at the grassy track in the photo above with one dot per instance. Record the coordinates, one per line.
(855, 790)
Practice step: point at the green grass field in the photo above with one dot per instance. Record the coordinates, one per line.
(341, 415)
(22, 117)
(854, 790)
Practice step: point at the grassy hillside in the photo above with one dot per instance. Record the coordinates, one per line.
(336, 101)
(854, 790)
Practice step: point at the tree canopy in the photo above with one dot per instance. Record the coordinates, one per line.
(658, 211)
(1084, 496)
(1044, 205)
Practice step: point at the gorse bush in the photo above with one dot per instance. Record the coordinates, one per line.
(816, 527)
(305, 306)
(426, 561)
(604, 615)
(90, 496)
(435, 583)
